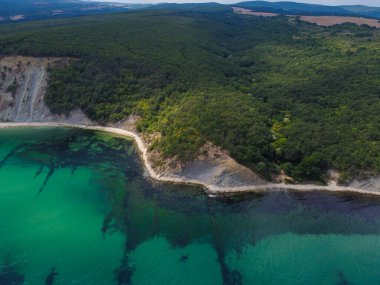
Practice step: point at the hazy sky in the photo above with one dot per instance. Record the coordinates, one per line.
(325, 2)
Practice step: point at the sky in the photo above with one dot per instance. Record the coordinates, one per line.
(375, 3)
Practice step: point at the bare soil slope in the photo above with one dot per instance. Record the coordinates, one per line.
(319, 20)
(336, 20)
(244, 11)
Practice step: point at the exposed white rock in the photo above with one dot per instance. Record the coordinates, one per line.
(370, 184)
(23, 85)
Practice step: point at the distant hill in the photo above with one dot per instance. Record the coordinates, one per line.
(364, 10)
(212, 7)
(24, 10)
(293, 8)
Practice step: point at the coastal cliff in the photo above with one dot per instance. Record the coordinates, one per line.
(23, 85)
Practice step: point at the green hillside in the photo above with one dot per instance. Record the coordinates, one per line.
(275, 93)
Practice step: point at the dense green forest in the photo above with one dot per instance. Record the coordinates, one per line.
(276, 93)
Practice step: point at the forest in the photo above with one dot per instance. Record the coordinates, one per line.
(276, 93)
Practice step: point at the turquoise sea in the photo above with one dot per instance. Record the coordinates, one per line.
(77, 208)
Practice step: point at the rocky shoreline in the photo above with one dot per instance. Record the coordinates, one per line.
(211, 189)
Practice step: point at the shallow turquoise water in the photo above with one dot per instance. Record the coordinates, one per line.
(76, 208)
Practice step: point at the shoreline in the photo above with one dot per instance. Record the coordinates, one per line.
(209, 188)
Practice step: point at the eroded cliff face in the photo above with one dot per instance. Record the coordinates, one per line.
(371, 184)
(23, 85)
